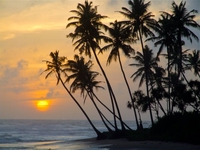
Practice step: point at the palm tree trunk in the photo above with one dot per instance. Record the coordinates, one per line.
(140, 118)
(150, 111)
(190, 86)
(129, 90)
(169, 81)
(147, 88)
(161, 107)
(99, 134)
(111, 111)
(112, 96)
(180, 55)
(107, 120)
(198, 74)
(99, 112)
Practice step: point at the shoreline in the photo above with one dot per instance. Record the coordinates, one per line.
(116, 144)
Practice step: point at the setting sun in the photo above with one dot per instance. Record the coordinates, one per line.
(42, 105)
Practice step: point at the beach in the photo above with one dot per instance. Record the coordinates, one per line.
(116, 144)
(71, 135)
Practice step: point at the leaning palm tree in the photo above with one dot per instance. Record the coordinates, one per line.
(88, 36)
(194, 62)
(56, 67)
(119, 40)
(145, 64)
(84, 79)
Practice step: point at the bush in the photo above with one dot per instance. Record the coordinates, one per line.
(178, 127)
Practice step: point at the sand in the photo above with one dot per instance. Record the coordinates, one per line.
(119, 144)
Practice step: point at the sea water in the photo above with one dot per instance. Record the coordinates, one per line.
(25, 134)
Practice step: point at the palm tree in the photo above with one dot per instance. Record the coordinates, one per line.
(140, 20)
(183, 97)
(194, 62)
(55, 67)
(87, 32)
(182, 19)
(165, 37)
(84, 79)
(119, 40)
(195, 84)
(157, 95)
(145, 64)
(138, 96)
(157, 86)
(141, 102)
(175, 61)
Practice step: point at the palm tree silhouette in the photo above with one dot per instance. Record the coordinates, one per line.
(119, 40)
(140, 23)
(84, 79)
(87, 32)
(194, 62)
(195, 84)
(55, 67)
(138, 96)
(182, 19)
(140, 20)
(145, 63)
(158, 82)
(165, 37)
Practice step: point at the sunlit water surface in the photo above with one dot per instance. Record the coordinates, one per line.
(28, 134)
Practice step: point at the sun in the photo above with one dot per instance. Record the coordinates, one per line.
(42, 105)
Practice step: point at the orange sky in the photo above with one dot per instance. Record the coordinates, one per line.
(29, 31)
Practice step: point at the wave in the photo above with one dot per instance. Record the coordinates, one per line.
(7, 138)
(19, 131)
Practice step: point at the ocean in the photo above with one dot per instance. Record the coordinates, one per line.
(27, 134)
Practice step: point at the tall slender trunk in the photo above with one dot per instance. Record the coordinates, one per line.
(180, 55)
(169, 80)
(129, 90)
(112, 96)
(99, 112)
(99, 134)
(198, 74)
(140, 119)
(161, 107)
(190, 86)
(111, 111)
(147, 88)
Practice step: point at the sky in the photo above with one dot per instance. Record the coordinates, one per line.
(29, 31)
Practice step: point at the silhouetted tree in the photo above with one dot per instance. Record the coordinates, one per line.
(145, 63)
(56, 67)
(84, 79)
(87, 32)
(194, 62)
(119, 40)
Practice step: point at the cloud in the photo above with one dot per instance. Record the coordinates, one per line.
(10, 76)
(43, 16)
(52, 93)
(7, 36)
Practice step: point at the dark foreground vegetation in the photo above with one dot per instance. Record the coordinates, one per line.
(170, 95)
(176, 127)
